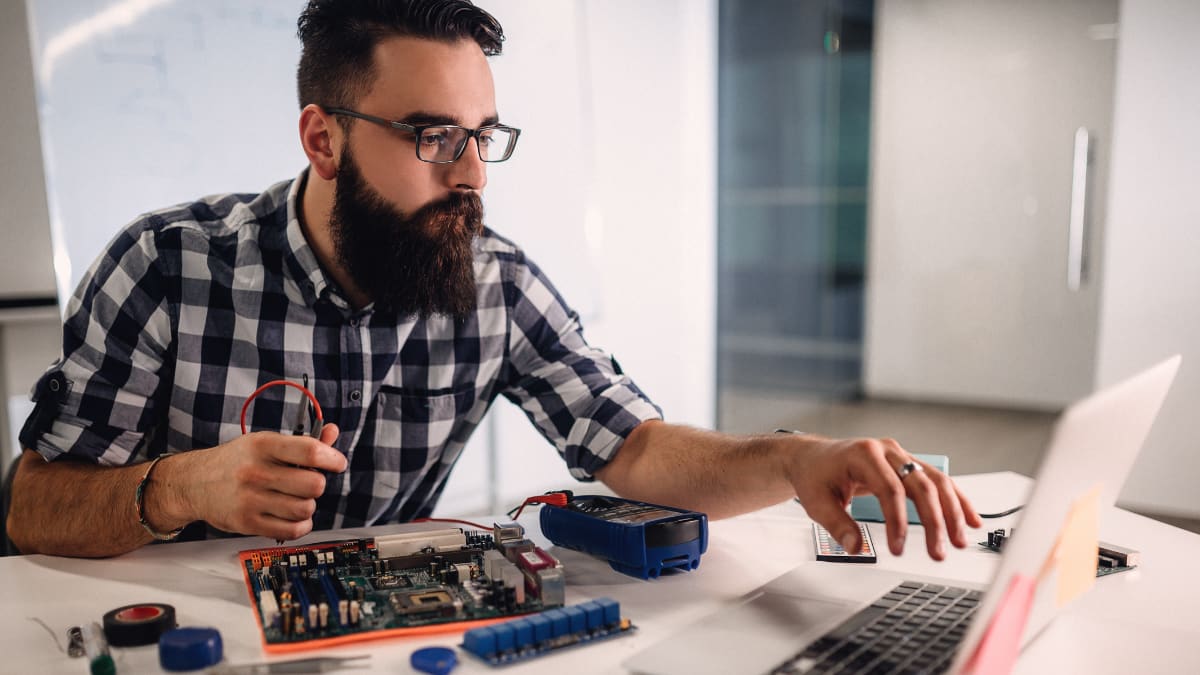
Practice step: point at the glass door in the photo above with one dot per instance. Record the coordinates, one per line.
(794, 101)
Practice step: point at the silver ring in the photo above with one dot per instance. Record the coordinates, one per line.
(907, 468)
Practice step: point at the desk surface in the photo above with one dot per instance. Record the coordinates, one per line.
(1147, 620)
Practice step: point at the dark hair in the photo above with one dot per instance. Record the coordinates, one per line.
(339, 38)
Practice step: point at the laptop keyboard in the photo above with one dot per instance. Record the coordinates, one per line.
(915, 628)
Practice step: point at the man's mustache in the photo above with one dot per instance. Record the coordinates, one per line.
(445, 216)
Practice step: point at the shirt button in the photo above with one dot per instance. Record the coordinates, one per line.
(355, 395)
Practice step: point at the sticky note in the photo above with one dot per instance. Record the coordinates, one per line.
(1078, 548)
(997, 651)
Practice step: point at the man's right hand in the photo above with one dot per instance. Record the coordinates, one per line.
(263, 483)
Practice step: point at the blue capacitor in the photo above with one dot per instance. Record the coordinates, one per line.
(505, 639)
(522, 633)
(434, 660)
(542, 628)
(189, 649)
(612, 610)
(576, 619)
(559, 624)
(536, 634)
(594, 613)
(481, 641)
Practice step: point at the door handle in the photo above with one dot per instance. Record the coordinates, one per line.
(1077, 227)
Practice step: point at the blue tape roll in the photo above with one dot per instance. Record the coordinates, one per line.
(189, 649)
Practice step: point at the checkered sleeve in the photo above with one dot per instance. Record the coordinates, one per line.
(97, 401)
(574, 393)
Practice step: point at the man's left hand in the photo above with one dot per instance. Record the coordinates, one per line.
(831, 472)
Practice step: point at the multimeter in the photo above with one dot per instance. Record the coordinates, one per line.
(636, 538)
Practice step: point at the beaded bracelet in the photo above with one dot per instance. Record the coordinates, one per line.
(139, 499)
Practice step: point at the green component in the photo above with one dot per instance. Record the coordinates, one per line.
(102, 665)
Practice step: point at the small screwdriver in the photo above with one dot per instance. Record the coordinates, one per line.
(305, 410)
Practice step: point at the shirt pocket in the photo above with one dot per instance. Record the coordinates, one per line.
(425, 406)
(414, 427)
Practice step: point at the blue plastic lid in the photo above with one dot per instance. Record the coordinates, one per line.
(189, 648)
(434, 660)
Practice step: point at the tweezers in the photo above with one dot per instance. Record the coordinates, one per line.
(320, 664)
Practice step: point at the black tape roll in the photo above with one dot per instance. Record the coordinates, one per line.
(137, 625)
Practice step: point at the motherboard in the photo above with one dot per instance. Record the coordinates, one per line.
(335, 592)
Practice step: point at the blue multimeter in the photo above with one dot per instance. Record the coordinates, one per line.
(636, 538)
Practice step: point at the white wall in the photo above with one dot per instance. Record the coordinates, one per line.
(1151, 298)
(647, 77)
(26, 269)
(25, 263)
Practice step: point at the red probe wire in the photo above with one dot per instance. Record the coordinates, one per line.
(554, 499)
(286, 383)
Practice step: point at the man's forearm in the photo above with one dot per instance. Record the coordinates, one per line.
(79, 509)
(718, 474)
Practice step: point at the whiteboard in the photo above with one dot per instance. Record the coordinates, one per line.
(148, 103)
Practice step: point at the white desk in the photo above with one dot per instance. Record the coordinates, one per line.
(1143, 621)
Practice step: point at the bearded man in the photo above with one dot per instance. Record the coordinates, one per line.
(371, 278)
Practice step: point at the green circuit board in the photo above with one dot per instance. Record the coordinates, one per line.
(1114, 563)
(342, 591)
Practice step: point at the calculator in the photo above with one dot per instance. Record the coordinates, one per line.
(829, 550)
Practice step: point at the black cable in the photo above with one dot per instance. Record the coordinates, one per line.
(1002, 513)
(981, 515)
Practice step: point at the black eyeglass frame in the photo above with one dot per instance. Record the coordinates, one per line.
(419, 129)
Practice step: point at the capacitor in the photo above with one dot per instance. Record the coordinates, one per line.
(313, 616)
(465, 571)
(285, 613)
(344, 612)
(324, 614)
(354, 609)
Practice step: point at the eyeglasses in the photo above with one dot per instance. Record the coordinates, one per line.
(444, 143)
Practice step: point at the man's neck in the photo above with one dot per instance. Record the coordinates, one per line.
(316, 205)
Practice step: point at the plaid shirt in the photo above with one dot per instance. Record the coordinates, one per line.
(191, 308)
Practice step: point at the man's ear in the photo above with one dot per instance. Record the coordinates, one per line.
(317, 137)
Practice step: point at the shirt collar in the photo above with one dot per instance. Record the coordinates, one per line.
(311, 278)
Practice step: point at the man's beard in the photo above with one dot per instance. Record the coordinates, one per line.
(422, 264)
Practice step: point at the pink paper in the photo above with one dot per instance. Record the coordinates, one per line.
(998, 650)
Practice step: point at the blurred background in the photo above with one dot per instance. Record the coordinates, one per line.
(935, 220)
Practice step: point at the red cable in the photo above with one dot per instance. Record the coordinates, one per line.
(450, 520)
(554, 499)
(288, 383)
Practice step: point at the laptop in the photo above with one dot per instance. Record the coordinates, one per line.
(795, 622)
